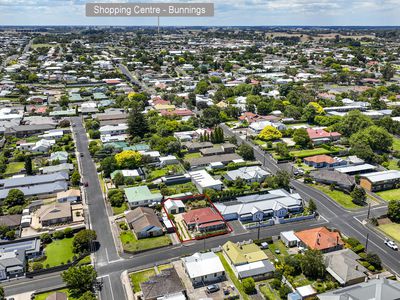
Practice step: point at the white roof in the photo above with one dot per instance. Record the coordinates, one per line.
(170, 203)
(305, 291)
(204, 179)
(356, 168)
(289, 235)
(200, 264)
(383, 175)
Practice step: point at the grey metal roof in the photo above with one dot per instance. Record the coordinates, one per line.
(33, 180)
(29, 246)
(38, 189)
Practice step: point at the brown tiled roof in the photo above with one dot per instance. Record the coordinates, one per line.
(319, 238)
(141, 217)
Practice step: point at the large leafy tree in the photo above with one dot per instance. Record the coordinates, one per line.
(312, 264)
(394, 211)
(83, 240)
(129, 159)
(246, 152)
(14, 197)
(80, 279)
(269, 133)
(378, 138)
(358, 196)
(301, 137)
(353, 122)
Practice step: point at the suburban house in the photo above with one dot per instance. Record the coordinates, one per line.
(224, 148)
(174, 206)
(289, 238)
(320, 136)
(28, 130)
(196, 146)
(57, 168)
(12, 264)
(356, 169)
(166, 283)
(202, 180)
(258, 207)
(37, 185)
(60, 156)
(378, 181)
(204, 220)
(323, 161)
(54, 214)
(136, 173)
(248, 174)
(204, 268)
(144, 222)
(11, 221)
(69, 196)
(373, 289)
(321, 239)
(202, 162)
(332, 177)
(113, 129)
(344, 267)
(248, 260)
(141, 196)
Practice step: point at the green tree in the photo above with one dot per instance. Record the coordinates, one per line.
(312, 264)
(282, 179)
(201, 87)
(312, 207)
(301, 137)
(374, 260)
(45, 238)
(394, 211)
(249, 285)
(246, 151)
(378, 138)
(108, 165)
(119, 179)
(116, 197)
(75, 178)
(28, 165)
(358, 196)
(88, 295)
(269, 133)
(83, 240)
(79, 279)
(282, 150)
(14, 197)
(388, 72)
(128, 159)
(353, 122)
(137, 122)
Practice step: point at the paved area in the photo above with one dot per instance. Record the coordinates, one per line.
(237, 227)
(24, 296)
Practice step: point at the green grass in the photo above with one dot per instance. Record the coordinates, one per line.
(278, 245)
(43, 296)
(310, 152)
(120, 210)
(233, 277)
(130, 243)
(192, 155)
(392, 230)
(176, 169)
(164, 267)
(338, 196)
(138, 277)
(14, 167)
(396, 144)
(389, 194)
(393, 165)
(85, 261)
(58, 252)
(267, 291)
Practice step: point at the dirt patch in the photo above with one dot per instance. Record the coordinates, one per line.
(384, 221)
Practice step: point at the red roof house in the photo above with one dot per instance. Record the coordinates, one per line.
(204, 219)
(320, 136)
(320, 238)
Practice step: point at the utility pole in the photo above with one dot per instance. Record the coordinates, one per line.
(366, 243)
(369, 210)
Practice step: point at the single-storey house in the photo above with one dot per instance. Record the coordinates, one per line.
(144, 222)
(204, 220)
(323, 161)
(69, 196)
(320, 136)
(320, 238)
(11, 221)
(248, 260)
(12, 264)
(141, 196)
(54, 214)
(60, 156)
(379, 181)
(202, 162)
(248, 174)
(202, 180)
(204, 268)
(341, 181)
(343, 265)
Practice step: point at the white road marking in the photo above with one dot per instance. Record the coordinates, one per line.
(111, 289)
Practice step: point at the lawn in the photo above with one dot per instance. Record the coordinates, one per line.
(268, 292)
(43, 296)
(392, 230)
(163, 267)
(192, 155)
(393, 165)
(233, 277)
(131, 244)
(278, 245)
(340, 197)
(120, 210)
(396, 144)
(138, 277)
(389, 194)
(182, 188)
(14, 167)
(157, 173)
(58, 252)
(311, 152)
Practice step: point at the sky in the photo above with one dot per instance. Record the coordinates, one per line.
(227, 13)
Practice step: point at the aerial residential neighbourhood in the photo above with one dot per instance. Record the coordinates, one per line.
(199, 161)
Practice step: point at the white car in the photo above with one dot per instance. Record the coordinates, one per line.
(391, 245)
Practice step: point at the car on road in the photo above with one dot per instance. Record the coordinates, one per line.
(212, 288)
(86, 184)
(81, 154)
(391, 244)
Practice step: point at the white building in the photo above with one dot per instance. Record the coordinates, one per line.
(113, 129)
(289, 238)
(204, 268)
(202, 180)
(174, 206)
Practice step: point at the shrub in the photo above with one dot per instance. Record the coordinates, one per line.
(45, 238)
(249, 285)
(68, 232)
(59, 235)
(37, 266)
(371, 268)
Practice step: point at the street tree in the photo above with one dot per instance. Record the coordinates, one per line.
(80, 279)
(394, 211)
(358, 196)
(83, 240)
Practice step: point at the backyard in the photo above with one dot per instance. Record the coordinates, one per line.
(192, 155)
(310, 152)
(59, 252)
(389, 194)
(14, 167)
(157, 173)
(131, 244)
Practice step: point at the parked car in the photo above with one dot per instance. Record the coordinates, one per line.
(391, 244)
(212, 288)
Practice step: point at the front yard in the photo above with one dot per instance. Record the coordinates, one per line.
(121, 209)
(138, 277)
(131, 244)
(43, 296)
(14, 167)
(59, 252)
(338, 196)
(389, 194)
(392, 230)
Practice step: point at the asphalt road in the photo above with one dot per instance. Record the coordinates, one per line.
(348, 222)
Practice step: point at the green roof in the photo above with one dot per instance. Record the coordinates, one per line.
(118, 145)
(138, 147)
(242, 254)
(141, 194)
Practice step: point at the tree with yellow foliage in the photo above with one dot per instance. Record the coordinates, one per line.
(128, 159)
(269, 133)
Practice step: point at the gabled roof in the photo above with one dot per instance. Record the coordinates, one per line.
(319, 238)
(201, 216)
(141, 218)
(242, 254)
